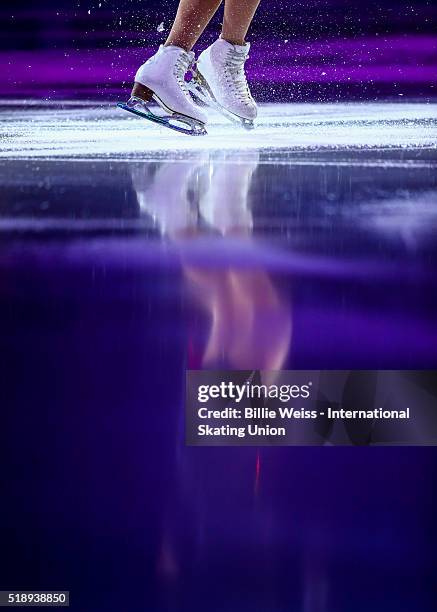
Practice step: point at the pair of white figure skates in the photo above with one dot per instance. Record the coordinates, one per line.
(218, 80)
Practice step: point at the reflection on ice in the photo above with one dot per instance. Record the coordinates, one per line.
(236, 229)
(249, 320)
(126, 258)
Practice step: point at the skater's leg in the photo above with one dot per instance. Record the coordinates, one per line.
(237, 19)
(221, 78)
(162, 77)
(191, 19)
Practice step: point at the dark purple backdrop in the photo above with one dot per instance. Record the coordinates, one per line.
(319, 49)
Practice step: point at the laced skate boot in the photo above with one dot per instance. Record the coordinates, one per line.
(162, 79)
(220, 80)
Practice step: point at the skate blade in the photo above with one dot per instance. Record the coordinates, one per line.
(176, 122)
(202, 94)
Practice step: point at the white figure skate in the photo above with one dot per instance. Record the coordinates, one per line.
(162, 79)
(220, 82)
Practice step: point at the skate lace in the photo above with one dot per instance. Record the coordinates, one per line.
(234, 71)
(182, 66)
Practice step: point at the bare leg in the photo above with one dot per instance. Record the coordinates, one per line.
(237, 19)
(191, 19)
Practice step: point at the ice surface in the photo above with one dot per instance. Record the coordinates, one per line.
(83, 131)
(323, 219)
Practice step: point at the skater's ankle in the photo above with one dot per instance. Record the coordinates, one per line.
(238, 42)
(172, 42)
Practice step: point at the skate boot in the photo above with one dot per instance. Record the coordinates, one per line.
(220, 81)
(162, 79)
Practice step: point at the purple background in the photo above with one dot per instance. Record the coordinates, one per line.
(319, 49)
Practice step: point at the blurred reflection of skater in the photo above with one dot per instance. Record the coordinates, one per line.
(249, 320)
